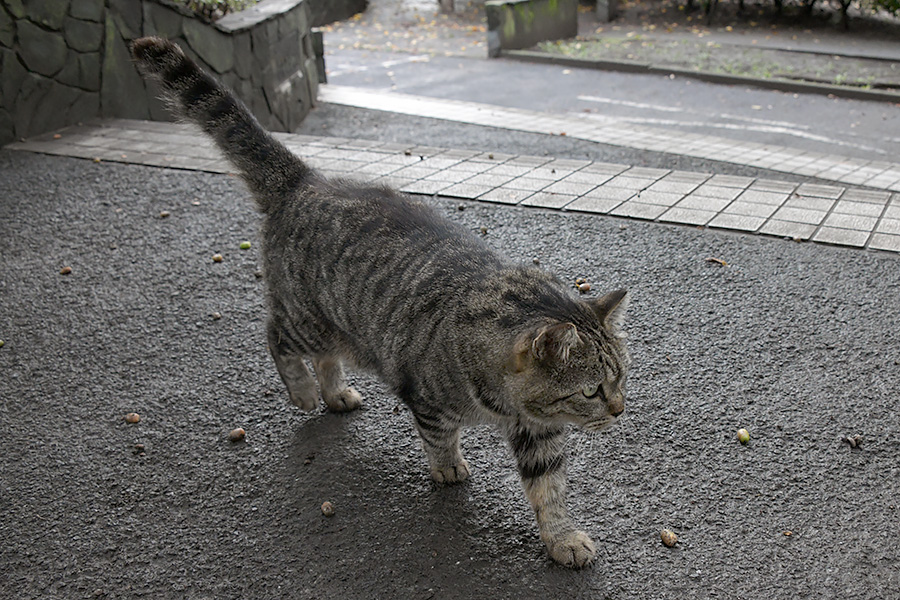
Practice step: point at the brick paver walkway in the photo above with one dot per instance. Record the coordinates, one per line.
(833, 214)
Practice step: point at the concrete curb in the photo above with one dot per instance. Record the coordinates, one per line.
(629, 66)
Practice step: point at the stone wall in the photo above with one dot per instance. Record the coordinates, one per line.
(66, 61)
(517, 24)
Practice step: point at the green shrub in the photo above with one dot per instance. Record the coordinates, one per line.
(891, 6)
(213, 9)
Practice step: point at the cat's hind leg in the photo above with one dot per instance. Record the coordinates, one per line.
(294, 373)
(337, 395)
(441, 443)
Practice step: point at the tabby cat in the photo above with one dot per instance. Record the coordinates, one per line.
(362, 275)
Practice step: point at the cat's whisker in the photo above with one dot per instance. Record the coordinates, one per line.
(578, 443)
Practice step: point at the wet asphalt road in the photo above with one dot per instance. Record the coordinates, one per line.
(796, 342)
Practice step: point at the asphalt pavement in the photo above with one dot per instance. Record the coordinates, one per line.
(790, 341)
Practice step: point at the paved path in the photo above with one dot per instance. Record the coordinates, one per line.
(834, 214)
(617, 132)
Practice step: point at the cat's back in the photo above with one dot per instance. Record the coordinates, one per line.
(343, 226)
(376, 268)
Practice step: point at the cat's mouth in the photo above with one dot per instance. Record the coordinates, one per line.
(600, 424)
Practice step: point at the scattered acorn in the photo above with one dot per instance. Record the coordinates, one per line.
(164, 214)
(236, 435)
(2, 343)
(743, 436)
(65, 270)
(853, 440)
(245, 245)
(132, 418)
(328, 509)
(216, 316)
(218, 258)
(668, 537)
(483, 230)
(584, 288)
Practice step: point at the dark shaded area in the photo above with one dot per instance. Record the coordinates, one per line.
(323, 12)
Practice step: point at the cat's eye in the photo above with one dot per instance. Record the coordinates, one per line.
(590, 391)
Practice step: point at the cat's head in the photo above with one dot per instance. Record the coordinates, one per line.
(574, 371)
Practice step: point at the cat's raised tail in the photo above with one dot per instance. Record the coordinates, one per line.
(271, 171)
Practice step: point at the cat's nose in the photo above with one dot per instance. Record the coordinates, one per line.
(616, 405)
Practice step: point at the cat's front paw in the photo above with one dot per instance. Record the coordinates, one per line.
(574, 549)
(349, 399)
(453, 474)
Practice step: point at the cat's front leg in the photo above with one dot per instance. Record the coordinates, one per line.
(542, 466)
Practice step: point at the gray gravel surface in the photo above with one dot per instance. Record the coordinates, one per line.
(796, 342)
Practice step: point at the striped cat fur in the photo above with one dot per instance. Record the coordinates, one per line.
(362, 275)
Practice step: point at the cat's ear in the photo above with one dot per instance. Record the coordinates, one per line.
(611, 309)
(554, 342)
